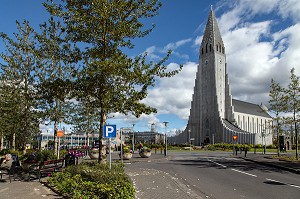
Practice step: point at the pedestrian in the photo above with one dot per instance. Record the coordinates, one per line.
(140, 147)
(7, 162)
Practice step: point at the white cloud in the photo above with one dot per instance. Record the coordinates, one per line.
(174, 46)
(255, 54)
(198, 41)
(151, 53)
(173, 95)
(290, 8)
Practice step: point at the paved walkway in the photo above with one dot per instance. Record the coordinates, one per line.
(161, 182)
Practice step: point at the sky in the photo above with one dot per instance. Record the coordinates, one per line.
(261, 39)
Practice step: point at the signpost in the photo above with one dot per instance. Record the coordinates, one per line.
(109, 131)
(59, 134)
(234, 137)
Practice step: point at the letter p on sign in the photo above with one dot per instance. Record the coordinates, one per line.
(109, 131)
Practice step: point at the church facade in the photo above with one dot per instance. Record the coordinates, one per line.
(214, 116)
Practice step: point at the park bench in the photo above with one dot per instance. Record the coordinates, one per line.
(15, 167)
(45, 167)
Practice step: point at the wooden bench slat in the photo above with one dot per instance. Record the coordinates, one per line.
(48, 166)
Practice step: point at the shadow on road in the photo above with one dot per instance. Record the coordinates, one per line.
(241, 165)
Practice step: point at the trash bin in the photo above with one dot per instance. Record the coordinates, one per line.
(69, 160)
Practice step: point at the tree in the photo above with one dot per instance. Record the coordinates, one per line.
(19, 75)
(113, 80)
(84, 119)
(277, 106)
(55, 71)
(293, 103)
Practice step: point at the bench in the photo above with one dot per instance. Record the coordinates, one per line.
(45, 167)
(14, 169)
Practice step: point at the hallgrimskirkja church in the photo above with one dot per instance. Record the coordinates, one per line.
(214, 116)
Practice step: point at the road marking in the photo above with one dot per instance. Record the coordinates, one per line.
(2, 190)
(232, 169)
(217, 163)
(292, 185)
(244, 173)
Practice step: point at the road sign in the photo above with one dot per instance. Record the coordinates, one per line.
(234, 137)
(109, 131)
(192, 139)
(60, 133)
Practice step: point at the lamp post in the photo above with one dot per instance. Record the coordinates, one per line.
(166, 141)
(121, 137)
(133, 138)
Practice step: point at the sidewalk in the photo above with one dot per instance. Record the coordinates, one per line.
(18, 189)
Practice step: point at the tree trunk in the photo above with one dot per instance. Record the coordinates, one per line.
(54, 138)
(102, 148)
(1, 142)
(13, 143)
(296, 132)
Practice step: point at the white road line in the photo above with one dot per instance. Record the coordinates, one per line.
(232, 169)
(292, 185)
(244, 173)
(2, 190)
(217, 163)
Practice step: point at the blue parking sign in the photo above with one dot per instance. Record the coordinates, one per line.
(109, 131)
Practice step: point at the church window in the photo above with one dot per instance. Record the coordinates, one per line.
(223, 50)
(248, 125)
(206, 47)
(220, 47)
(217, 47)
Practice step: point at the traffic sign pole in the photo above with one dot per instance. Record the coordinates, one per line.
(234, 138)
(109, 131)
(109, 153)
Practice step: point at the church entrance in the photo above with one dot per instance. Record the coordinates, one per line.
(206, 141)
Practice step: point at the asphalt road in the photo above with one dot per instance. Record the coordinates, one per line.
(211, 175)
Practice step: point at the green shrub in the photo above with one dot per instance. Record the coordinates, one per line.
(45, 155)
(271, 146)
(211, 147)
(5, 151)
(93, 180)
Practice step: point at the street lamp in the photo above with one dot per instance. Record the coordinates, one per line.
(133, 138)
(166, 141)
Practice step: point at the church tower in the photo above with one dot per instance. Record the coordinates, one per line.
(212, 101)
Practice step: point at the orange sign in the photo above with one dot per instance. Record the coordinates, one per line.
(234, 137)
(60, 133)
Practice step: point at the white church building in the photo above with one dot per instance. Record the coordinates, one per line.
(214, 116)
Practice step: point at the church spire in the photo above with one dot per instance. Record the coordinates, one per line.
(212, 36)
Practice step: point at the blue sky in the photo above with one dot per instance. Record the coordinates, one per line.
(261, 38)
